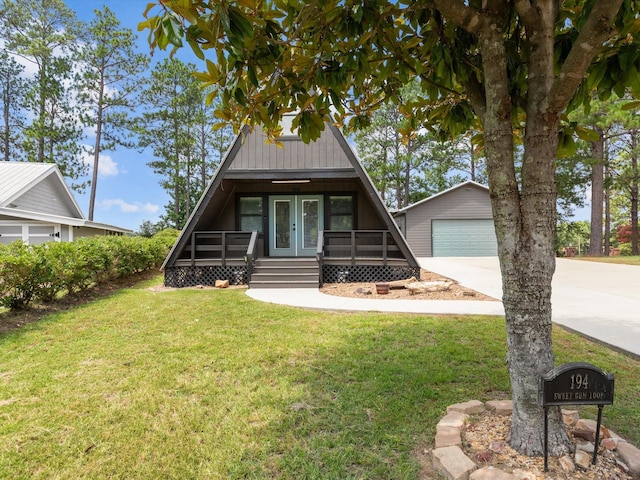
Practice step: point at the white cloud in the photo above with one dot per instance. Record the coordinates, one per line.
(125, 207)
(107, 167)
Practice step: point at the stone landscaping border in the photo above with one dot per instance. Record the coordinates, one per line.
(451, 462)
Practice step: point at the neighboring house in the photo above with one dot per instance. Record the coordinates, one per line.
(36, 206)
(455, 223)
(291, 216)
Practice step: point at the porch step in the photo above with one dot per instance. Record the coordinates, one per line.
(285, 273)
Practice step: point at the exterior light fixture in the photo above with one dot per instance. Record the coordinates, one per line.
(291, 181)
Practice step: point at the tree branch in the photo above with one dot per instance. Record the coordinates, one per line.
(526, 11)
(475, 93)
(596, 30)
(464, 16)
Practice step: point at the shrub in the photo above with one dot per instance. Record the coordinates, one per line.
(168, 236)
(625, 249)
(45, 271)
(51, 282)
(19, 271)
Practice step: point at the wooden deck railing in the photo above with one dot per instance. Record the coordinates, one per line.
(250, 256)
(356, 244)
(222, 247)
(345, 247)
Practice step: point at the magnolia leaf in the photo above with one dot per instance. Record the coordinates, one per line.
(195, 47)
(587, 134)
(150, 24)
(172, 30)
(251, 73)
(566, 145)
(148, 9)
(631, 105)
(219, 126)
(240, 97)
(239, 24)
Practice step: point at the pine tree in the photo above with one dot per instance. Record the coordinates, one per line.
(109, 81)
(45, 33)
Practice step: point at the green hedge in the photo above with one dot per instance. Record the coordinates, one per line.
(44, 272)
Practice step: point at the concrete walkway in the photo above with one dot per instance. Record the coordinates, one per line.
(599, 300)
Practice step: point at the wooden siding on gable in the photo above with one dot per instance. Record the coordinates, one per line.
(255, 154)
(47, 197)
(467, 202)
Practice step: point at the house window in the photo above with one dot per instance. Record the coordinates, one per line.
(250, 214)
(341, 212)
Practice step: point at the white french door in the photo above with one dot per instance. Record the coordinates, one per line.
(294, 223)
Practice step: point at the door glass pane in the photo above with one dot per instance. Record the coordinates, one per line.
(310, 219)
(283, 223)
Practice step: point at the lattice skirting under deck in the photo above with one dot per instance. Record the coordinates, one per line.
(204, 275)
(237, 275)
(367, 273)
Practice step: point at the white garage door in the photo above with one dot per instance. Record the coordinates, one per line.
(463, 238)
(30, 234)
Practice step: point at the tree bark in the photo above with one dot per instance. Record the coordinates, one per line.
(525, 219)
(6, 140)
(42, 109)
(526, 264)
(634, 193)
(527, 255)
(606, 236)
(97, 145)
(597, 194)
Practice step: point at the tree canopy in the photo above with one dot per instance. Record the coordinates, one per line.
(348, 57)
(510, 69)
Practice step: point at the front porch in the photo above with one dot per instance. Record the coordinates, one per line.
(341, 256)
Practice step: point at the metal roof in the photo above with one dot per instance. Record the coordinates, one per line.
(17, 178)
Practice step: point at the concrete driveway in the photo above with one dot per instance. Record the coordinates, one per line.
(599, 300)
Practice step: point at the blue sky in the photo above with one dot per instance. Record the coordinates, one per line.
(127, 191)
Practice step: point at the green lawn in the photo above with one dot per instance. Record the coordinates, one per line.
(212, 384)
(624, 260)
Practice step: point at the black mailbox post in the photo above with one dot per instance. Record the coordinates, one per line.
(576, 383)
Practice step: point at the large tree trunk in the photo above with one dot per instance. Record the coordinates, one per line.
(597, 196)
(525, 220)
(525, 217)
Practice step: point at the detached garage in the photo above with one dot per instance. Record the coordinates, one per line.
(455, 223)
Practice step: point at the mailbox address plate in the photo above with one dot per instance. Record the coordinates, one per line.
(576, 383)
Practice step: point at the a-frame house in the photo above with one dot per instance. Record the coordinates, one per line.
(292, 216)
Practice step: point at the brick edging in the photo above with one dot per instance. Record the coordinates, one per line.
(450, 461)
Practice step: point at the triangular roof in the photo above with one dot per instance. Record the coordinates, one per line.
(354, 165)
(23, 185)
(19, 178)
(444, 192)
